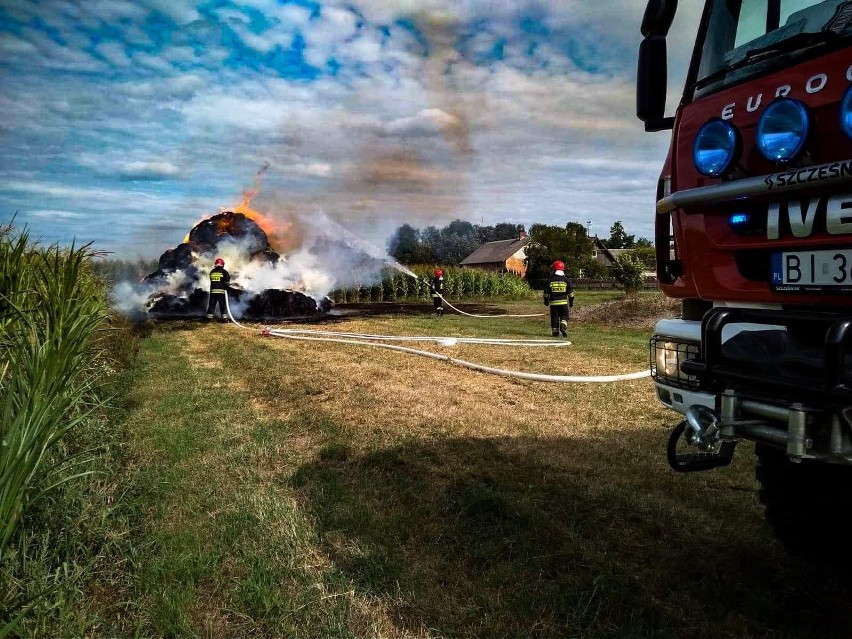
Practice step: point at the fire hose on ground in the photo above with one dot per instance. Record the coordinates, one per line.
(458, 310)
(376, 341)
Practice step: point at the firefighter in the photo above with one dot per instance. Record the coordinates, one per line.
(219, 280)
(437, 289)
(559, 295)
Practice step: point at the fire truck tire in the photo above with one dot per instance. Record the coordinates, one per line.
(808, 505)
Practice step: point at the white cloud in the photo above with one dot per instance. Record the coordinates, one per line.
(83, 193)
(333, 27)
(13, 44)
(108, 11)
(153, 62)
(178, 54)
(114, 53)
(367, 49)
(234, 112)
(266, 41)
(548, 140)
(158, 170)
(286, 21)
(180, 11)
(234, 16)
(56, 56)
(134, 34)
(423, 123)
(288, 14)
(386, 11)
(180, 87)
(52, 214)
(22, 10)
(185, 85)
(311, 169)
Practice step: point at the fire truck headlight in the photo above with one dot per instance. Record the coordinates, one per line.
(846, 113)
(667, 355)
(715, 148)
(783, 130)
(667, 359)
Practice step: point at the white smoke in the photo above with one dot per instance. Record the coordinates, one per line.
(130, 298)
(134, 298)
(329, 257)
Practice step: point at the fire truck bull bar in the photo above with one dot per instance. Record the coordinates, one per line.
(716, 373)
(803, 416)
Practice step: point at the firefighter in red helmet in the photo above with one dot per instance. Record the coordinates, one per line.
(219, 280)
(437, 289)
(559, 295)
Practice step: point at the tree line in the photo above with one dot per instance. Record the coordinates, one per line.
(449, 244)
(571, 244)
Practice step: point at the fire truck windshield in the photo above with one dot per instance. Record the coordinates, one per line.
(747, 37)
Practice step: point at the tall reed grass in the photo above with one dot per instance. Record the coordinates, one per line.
(51, 307)
(460, 284)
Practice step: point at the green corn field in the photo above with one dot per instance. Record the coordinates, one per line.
(460, 284)
(51, 307)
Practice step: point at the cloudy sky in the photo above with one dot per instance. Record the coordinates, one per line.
(124, 122)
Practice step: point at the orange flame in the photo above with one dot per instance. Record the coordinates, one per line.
(276, 232)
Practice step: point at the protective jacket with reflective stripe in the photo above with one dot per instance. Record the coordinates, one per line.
(559, 291)
(219, 280)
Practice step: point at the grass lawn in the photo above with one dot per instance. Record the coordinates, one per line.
(292, 489)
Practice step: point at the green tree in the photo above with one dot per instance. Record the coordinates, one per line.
(618, 237)
(595, 269)
(506, 231)
(407, 246)
(403, 243)
(647, 256)
(628, 271)
(446, 245)
(501, 231)
(455, 242)
(570, 244)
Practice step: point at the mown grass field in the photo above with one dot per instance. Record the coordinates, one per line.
(289, 489)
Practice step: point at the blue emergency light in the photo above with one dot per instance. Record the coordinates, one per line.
(846, 113)
(782, 130)
(715, 148)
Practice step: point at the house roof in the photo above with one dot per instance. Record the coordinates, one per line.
(499, 251)
(618, 252)
(612, 254)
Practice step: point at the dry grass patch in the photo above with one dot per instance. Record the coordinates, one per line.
(357, 492)
(635, 311)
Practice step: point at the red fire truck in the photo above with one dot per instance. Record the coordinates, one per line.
(754, 235)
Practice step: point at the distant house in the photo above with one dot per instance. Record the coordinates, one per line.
(501, 256)
(605, 255)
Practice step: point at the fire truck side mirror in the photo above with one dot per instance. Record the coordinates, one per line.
(658, 17)
(651, 84)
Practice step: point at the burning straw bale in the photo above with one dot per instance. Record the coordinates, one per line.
(209, 236)
(321, 257)
(277, 303)
(179, 281)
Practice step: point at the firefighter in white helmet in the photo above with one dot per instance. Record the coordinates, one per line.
(219, 280)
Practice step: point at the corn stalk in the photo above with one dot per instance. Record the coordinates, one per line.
(460, 284)
(50, 310)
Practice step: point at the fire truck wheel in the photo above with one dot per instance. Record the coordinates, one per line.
(807, 504)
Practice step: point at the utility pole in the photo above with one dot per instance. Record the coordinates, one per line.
(589, 228)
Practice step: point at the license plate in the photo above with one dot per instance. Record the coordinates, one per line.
(809, 271)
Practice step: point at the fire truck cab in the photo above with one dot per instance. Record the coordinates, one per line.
(754, 235)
